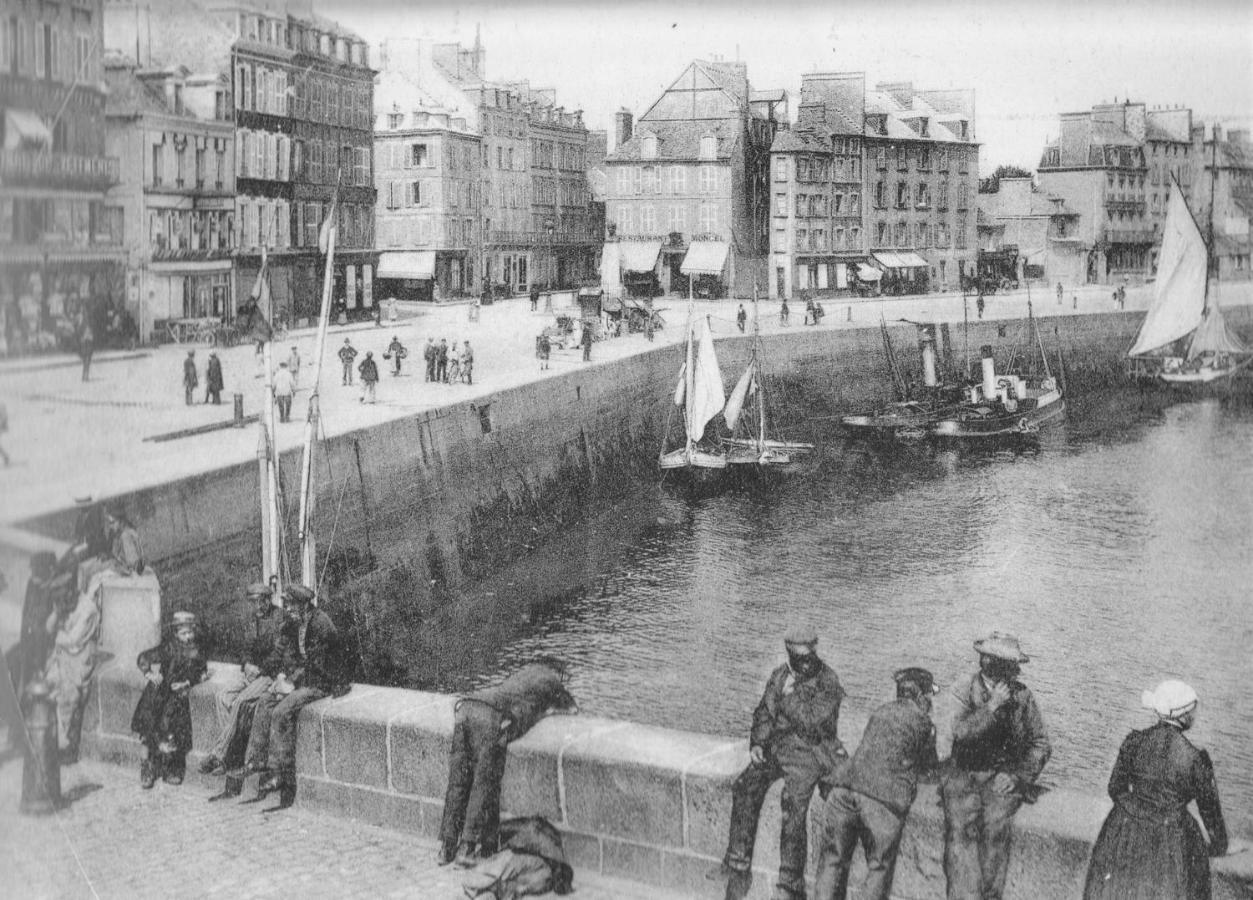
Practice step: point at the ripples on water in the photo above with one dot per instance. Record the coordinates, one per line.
(1117, 547)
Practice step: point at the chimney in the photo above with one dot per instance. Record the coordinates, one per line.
(622, 122)
(1218, 132)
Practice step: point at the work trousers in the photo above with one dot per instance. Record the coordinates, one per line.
(348, 373)
(231, 701)
(475, 770)
(368, 389)
(978, 830)
(849, 818)
(272, 743)
(188, 392)
(800, 768)
(284, 407)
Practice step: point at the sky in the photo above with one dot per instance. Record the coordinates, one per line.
(1026, 61)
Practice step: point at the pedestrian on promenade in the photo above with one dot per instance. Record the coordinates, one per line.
(1074, 301)
(162, 718)
(1059, 293)
(870, 798)
(979, 305)
(783, 312)
(793, 737)
(4, 427)
(586, 341)
(467, 363)
(369, 377)
(213, 380)
(395, 352)
(648, 321)
(441, 361)
(284, 387)
(235, 699)
(999, 748)
(543, 349)
(347, 354)
(1150, 846)
(454, 364)
(741, 317)
(190, 378)
(429, 353)
(534, 297)
(1122, 296)
(484, 724)
(391, 310)
(293, 365)
(86, 347)
(310, 664)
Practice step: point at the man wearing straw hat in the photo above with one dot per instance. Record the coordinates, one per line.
(999, 748)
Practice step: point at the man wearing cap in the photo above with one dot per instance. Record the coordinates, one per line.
(794, 738)
(253, 679)
(308, 661)
(999, 748)
(347, 354)
(871, 796)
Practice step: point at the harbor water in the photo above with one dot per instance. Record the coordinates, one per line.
(1118, 546)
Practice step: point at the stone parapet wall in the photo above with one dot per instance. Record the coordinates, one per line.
(649, 804)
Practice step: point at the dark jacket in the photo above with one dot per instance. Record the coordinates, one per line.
(213, 377)
(163, 714)
(347, 353)
(897, 748)
(369, 369)
(1010, 740)
(525, 696)
(319, 664)
(266, 632)
(190, 378)
(810, 712)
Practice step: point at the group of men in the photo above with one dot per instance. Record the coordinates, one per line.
(448, 365)
(998, 748)
(212, 379)
(294, 657)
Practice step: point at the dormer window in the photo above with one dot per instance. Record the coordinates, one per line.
(648, 147)
(709, 146)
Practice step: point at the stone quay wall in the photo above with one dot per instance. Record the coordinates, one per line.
(649, 804)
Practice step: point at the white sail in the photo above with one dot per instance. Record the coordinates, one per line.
(707, 395)
(1179, 292)
(680, 388)
(743, 387)
(1214, 335)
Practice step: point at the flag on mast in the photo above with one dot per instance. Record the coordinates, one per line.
(260, 303)
(330, 223)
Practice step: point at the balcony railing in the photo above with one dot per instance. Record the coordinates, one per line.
(1129, 236)
(1131, 206)
(58, 169)
(499, 236)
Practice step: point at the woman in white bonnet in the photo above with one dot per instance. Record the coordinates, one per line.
(1150, 848)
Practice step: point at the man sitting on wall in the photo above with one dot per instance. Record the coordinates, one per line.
(485, 722)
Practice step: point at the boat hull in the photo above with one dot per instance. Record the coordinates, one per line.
(988, 421)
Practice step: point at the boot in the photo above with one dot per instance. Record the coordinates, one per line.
(467, 855)
(233, 788)
(147, 777)
(287, 793)
(446, 853)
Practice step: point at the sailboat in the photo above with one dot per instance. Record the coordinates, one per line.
(701, 395)
(748, 444)
(1184, 340)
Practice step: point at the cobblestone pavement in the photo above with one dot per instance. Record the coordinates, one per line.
(114, 840)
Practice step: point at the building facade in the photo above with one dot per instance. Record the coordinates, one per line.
(428, 220)
(1025, 234)
(173, 133)
(686, 205)
(61, 255)
(1227, 162)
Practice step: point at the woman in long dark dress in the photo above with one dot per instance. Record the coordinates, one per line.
(1150, 847)
(162, 717)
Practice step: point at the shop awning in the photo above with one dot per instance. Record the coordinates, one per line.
(416, 265)
(906, 259)
(639, 256)
(23, 128)
(705, 258)
(611, 304)
(867, 272)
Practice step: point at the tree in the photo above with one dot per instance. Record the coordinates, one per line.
(993, 184)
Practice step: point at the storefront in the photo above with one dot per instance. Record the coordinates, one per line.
(639, 262)
(705, 267)
(904, 272)
(407, 275)
(46, 297)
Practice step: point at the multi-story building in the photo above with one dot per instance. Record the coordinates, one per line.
(874, 186)
(686, 189)
(535, 223)
(1224, 167)
(304, 110)
(1099, 166)
(172, 131)
(1027, 234)
(61, 255)
(428, 219)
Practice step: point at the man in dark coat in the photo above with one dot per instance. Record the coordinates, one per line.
(999, 749)
(310, 642)
(794, 737)
(253, 680)
(534, 297)
(871, 796)
(484, 724)
(369, 370)
(430, 353)
(586, 341)
(163, 715)
(395, 352)
(86, 348)
(347, 354)
(441, 360)
(467, 363)
(190, 378)
(213, 381)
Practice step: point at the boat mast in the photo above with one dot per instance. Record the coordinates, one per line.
(761, 396)
(1209, 227)
(689, 378)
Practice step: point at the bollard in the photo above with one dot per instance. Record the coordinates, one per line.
(41, 768)
(850, 313)
(239, 410)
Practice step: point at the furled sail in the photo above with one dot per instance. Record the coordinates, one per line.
(1179, 292)
(1214, 335)
(743, 389)
(680, 389)
(707, 395)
